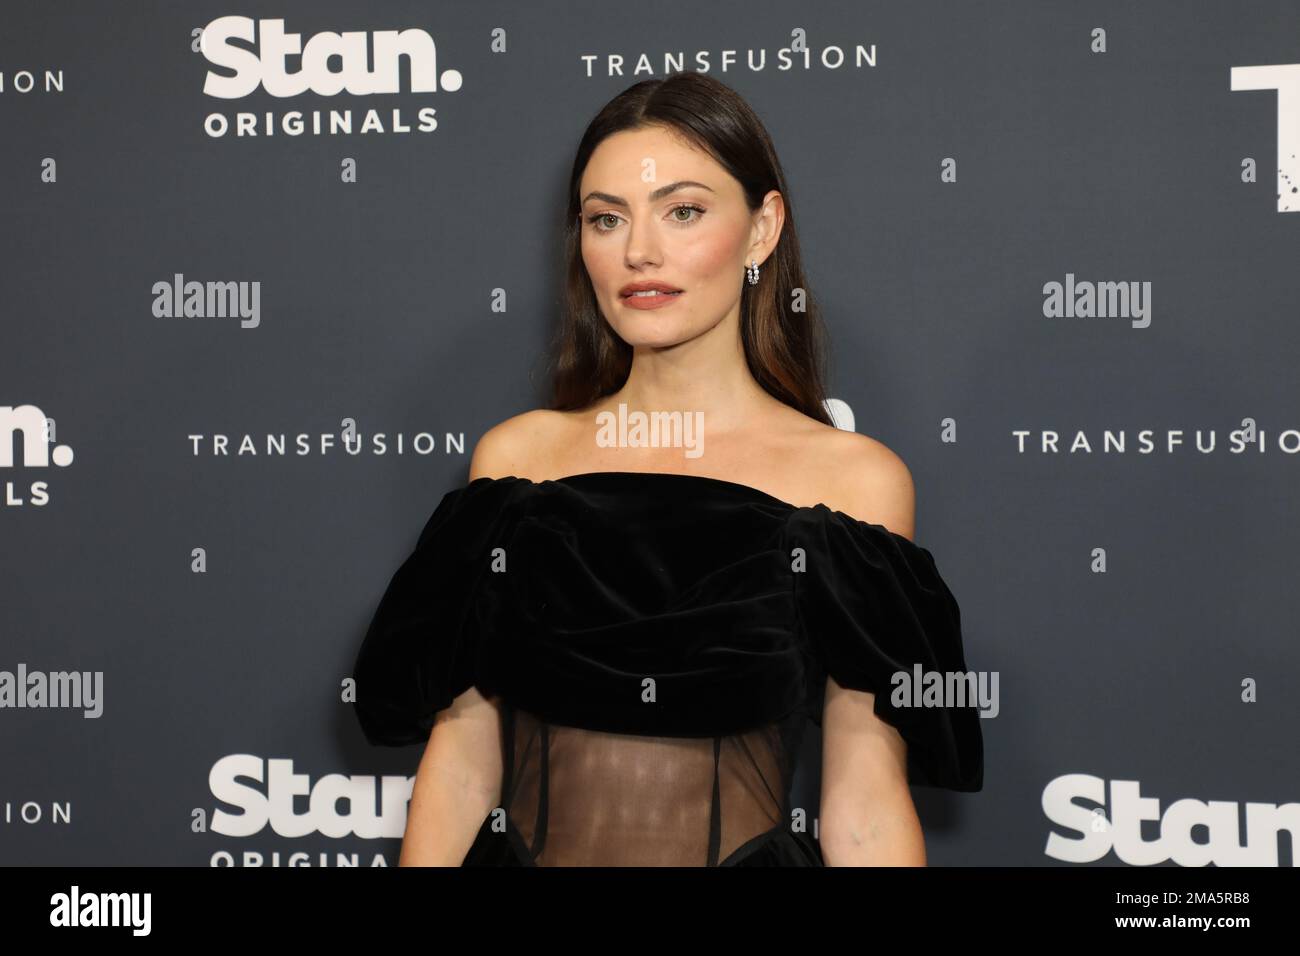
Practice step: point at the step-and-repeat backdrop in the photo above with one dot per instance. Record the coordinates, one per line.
(262, 291)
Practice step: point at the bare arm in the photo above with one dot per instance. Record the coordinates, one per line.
(459, 779)
(867, 817)
(457, 784)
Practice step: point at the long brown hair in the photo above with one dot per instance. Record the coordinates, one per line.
(784, 348)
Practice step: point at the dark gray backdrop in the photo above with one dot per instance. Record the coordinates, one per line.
(1115, 164)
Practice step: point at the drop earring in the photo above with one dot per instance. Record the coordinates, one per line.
(751, 272)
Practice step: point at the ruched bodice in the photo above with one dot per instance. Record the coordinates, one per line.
(657, 644)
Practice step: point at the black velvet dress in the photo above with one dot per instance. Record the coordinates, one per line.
(657, 643)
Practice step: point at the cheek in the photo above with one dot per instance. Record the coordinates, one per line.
(712, 257)
(584, 252)
(598, 262)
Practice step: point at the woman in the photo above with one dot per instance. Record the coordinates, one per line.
(612, 650)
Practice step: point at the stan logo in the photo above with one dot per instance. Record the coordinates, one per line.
(38, 433)
(1285, 78)
(265, 64)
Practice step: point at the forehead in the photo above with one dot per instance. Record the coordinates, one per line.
(628, 160)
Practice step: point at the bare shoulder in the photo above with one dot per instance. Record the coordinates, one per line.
(867, 480)
(517, 446)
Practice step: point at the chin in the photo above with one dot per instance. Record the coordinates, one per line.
(652, 341)
(655, 328)
(651, 335)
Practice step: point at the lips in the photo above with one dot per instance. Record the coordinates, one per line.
(644, 300)
(641, 289)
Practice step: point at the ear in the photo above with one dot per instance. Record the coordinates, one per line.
(769, 219)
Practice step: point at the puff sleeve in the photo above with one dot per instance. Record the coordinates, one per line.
(872, 604)
(422, 646)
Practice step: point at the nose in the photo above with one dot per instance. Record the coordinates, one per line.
(642, 244)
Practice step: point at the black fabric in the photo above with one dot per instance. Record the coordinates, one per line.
(657, 643)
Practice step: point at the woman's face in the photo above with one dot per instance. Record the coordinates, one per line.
(640, 225)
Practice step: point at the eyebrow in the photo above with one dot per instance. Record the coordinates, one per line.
(659, 193)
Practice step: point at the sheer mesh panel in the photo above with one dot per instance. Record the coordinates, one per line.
(587, 798)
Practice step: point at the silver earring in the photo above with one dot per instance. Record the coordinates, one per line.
(751, 272)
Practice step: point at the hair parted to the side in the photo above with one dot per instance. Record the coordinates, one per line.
(784, 348)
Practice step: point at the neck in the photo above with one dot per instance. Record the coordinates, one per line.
(707, 374)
